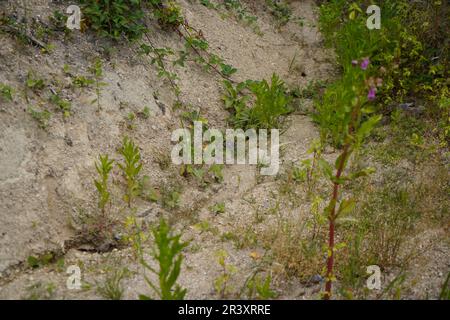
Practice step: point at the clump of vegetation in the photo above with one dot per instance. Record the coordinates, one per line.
(115, 19)
(41, 260)
(82, 82)
(260, 288)
(42, 117)
(263, 107)
(168, 14)
(167, 251)
(280, 10)
(63, 104)
(112, 287)
(410, 46)
(6, 92)
(41, 291)
(33, 83)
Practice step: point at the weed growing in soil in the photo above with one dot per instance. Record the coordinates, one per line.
(96, 69)
(112, 288)
(131, 168)
(6, 92)
(115, 18)
(42, 117)
(33, 83)
(280, 10)
(103, 167)
(63, 104)
(167, 251)
(260, 288)
(270, 103)
(222, 282)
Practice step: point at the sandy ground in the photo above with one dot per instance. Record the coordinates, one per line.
(46, 177)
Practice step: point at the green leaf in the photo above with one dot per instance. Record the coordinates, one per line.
(346, 206)
(326, 168)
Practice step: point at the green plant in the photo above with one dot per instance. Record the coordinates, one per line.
(96, 69)
(131, 168)
(168, 14)
(221, 283)
(410, 45)
(63, 104)
(145, 113)
(59, 20)
(218, 208)
(259, 287)
(112, 287)
(167, 251)
(42, 117)
(6, 92)
(170, 198)
(33, 83)
(280, 10)
(41, 260)
(146, 191)
(41, 291)
(103, 167)
(271, 103)
(115, 18)
(158, 58)
(82, 82)
(344, 117)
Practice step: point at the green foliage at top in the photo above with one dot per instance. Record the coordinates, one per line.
(335, 110)
(262, 107)
(126, 18)
(168, 253)
(411, 45)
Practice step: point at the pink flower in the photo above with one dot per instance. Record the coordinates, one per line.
(365, 63)
(372, 93)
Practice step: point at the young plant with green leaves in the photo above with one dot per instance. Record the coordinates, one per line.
(167, 251)
(96, 69)
(6, 92)
(42, 117)
(258, 287)
(103, 167)
(345, 118)
(270, 103)
(222, 282)
(112, 287)
(64, 105)
(131, 167)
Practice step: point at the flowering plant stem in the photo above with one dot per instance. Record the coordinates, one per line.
(333, 215)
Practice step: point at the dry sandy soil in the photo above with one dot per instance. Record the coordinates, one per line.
(46, 176)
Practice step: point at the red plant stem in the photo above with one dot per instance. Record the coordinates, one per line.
(332, 220)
